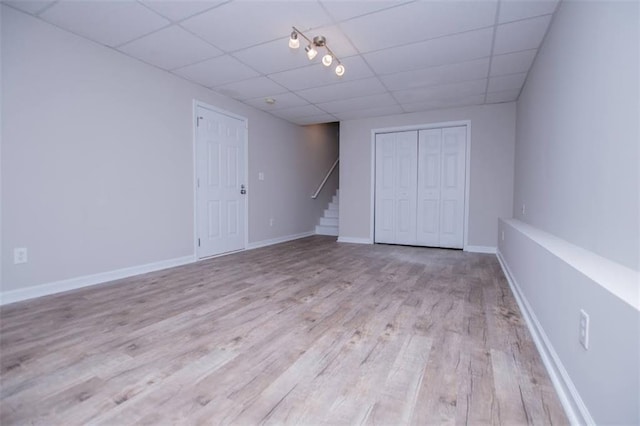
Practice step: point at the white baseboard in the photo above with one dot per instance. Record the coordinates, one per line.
(278, 240)
(354, 240)
(572, 403)
(480, 249)
(88, 280)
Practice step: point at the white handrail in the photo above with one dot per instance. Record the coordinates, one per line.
(314, 196)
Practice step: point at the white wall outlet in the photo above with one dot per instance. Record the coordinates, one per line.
(271, 222)
(260, 175)
(584, 329)
(524, 209)
(19, 255)
(502, 235)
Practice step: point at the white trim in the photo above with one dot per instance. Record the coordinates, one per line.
(480, 249)
(89, 280)
(444, 124)
(196, 105)
(278, 240)
(352, 240)
(618, 279)
(574, 407)
(467, 185)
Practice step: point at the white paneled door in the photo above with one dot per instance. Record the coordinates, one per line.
(420, 187)
(441, 187)
(395, 208)
(221, 191)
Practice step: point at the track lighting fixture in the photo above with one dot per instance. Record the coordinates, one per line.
(312, 50)
(294, 43)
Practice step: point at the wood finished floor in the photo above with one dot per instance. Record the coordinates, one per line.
(306, 332)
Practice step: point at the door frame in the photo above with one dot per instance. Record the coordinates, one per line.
(417, 127)
(199, 104)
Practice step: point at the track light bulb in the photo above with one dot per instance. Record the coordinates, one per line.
(326, 60)
(311, 52)
(294, 43)
(340, 70)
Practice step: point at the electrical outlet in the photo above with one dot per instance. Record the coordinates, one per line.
(584, 329)
(260, 175)
(524, 210)
(19, 255)
(271, 222)
(502, 235)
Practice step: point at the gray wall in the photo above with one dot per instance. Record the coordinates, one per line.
(492, 153)
(292, 173)
(601, 384)
(97, 167)
(577, 142)
(576, 169)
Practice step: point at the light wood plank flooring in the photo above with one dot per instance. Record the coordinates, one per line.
(306, 332)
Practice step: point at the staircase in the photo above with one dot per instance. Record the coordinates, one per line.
(329, 222)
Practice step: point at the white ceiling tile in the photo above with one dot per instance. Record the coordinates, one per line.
(316, 75)
(442, 92)
(370, 112)
(252, 88)
(521, 35)
(30, 6)
(443, 103)
(363, 102)
(170, 48)
(445, 50)
(298, 112)
(343, 90)
(274, 56)
(507, 82)
(236, 25)
(418, 21)
(341, 10)
(217, 71)
(314, 119)
(429, 53)
(108, 22)
(177, 10)
(443, 74)
(283, 100)
(512, 63)
(506, 96)
(514, 10)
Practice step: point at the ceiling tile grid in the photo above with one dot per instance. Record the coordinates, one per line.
(170, 48)
(400, 55)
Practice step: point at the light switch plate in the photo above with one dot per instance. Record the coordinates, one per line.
(19, 255)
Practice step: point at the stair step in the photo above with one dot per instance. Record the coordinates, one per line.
(329, 221)
(331, 213)
(327, 230)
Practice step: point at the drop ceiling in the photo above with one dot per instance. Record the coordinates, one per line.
(400, 56)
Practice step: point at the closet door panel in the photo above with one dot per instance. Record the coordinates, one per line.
(428, 203)
(453, 176)
(395, 188)
(384, 213)
(406, 186)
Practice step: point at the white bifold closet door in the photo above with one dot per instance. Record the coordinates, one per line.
(441, 182)
(396, 185)
(420, 186)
